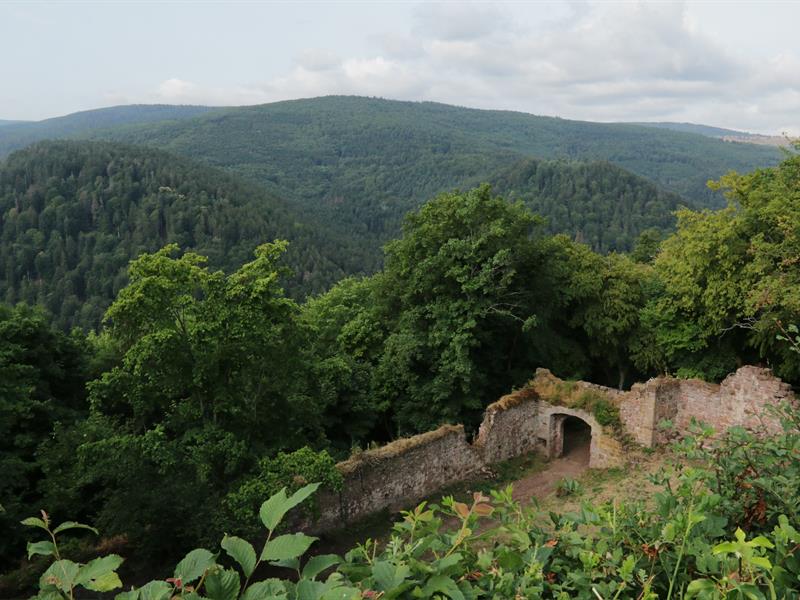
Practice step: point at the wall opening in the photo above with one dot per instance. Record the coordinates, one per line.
(570, 437)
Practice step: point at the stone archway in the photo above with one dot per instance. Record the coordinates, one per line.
(570, 435)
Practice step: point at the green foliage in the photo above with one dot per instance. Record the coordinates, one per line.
(352, 157)
(286, 470)
(568, 487)
(606, 413)
(458, 281)
(73, 214)
(42, 375)
(690, 542)
(212, 378)
(595, 203)
(729, 279)
(63, 576)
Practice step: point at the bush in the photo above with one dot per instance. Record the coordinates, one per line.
(286, 470)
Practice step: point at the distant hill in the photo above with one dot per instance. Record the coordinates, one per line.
(6, 123)
(73, 214)
(727, 135)
(596, 203)
(378, 157)
(18, 134)
(706, 130)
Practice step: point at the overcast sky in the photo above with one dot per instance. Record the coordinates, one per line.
(730, 64)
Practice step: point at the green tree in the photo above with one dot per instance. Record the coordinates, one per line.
(42, 375)
(212, 377)
(460, 281)
(730, 277)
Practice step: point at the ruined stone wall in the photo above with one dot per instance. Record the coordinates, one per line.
(510, 428)
(401, 473)
(742, 399)
(408, 470)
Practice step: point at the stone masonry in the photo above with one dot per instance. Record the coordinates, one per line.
(532, 419)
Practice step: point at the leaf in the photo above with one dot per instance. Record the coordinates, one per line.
(388, 575)
(462, 509)
(105, 583)
(317, 564)
(155, 590)
(698, 586)
(73, 525)
(44, 548)
(61, 574)
(483, 510)
(309, 590)
(287, 546)
(194, 565)
(274, 509)
(443, 585)
(222, 585)
(34, 522)
(99, 574)
(242, 552)
(762, 561)
(264, 590)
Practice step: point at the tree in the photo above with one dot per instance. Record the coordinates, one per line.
(42, 375)
(212, 377)
(730, 277)
(460, 284)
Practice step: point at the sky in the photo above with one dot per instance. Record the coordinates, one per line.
(723, 63)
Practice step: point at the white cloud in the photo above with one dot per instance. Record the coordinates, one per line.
(614, 62)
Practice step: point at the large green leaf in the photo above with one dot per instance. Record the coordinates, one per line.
(268, 589)
(155, 590)
(34, 522)
(309, 590)
(99, 575)
(242, 552)
(388, 575)
(61, 574)
(274, 509)
(44, 548)
(443, 585)
(73, 525)
(317, 564)
(222, 585)
(288, 546)
(194, 565)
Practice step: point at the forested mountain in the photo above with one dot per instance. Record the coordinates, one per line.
(18, 134)
(73, 214)
(364, 155)
(596, 203)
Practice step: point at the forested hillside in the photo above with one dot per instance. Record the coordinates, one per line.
(596, 203)
(73, 214)
(18, 134)
(355, 152)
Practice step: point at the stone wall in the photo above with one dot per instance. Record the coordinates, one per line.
(744, 399)
(408, 470)
(405, 471)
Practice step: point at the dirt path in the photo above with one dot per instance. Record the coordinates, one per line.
(543, 483)
(572, 464)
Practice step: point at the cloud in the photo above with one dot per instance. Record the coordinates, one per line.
(612, 62)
